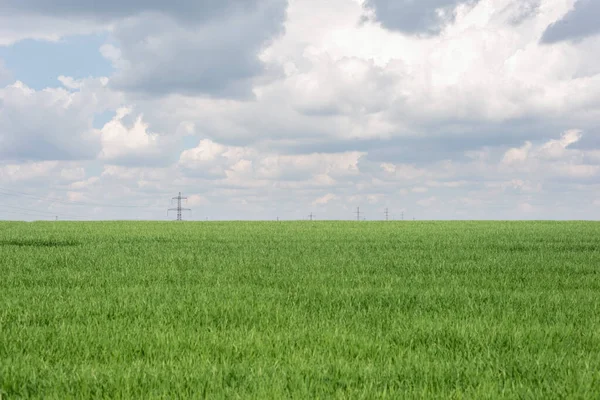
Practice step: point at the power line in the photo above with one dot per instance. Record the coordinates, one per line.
(15, 193)
(179, 209)
(42, 212)
(25, 213)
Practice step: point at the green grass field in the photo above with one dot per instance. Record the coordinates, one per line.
(300, 310)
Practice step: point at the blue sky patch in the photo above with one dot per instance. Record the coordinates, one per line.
(103, 118)
(38, 64)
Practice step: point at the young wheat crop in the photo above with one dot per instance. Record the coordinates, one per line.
(300, 310)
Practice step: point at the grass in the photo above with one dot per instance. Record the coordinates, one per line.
(300, 310)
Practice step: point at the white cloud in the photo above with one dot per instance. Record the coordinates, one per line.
(342, 110)
(526, 207)
(346, 81)
(51, 124)
(518, 185)
(11, 173)
(577, 170)
(72, 174)
(517, 155)
(121, 143)
(556, 149)
(325, 199)
(239, 164)
(553, 157)
(211, 159)
(84, 184)
(428, 202)
(196, 200)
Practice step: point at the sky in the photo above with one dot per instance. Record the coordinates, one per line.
(266, 109)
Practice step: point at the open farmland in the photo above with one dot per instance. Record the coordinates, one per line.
(299, 309)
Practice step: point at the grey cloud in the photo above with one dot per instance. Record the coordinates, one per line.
(42, 126)
(580, 22)
(415, 17)
(115, 9)
(522, 10)
(434, 142)
(19, 148)
(191, 47)
(589, 141)
(220, 57)
(166, 156)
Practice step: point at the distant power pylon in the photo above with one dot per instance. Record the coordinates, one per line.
(358, 213)
(387, 215)
(179, 209)
(311, 216)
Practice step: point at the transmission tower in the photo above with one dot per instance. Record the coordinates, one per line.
(311, 216)
(179, 209)
(358, 213)
(387, 215)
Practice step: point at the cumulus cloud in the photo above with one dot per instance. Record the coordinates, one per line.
(241, 166)
(442, 94)
(580, 22)
(325, 199)
(555, 157)
(135, 144)
(192, 47)
(438, 106)
(210, 159)
(72, 174)
(113, 9)
(218, 56)
(556, 149)
(50, 124)
(11, 173)
(517, 155)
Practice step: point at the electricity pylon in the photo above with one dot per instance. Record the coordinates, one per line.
(179, 209)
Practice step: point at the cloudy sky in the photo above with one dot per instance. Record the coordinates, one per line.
(258, 109)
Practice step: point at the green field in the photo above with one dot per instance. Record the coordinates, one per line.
(300, 310)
